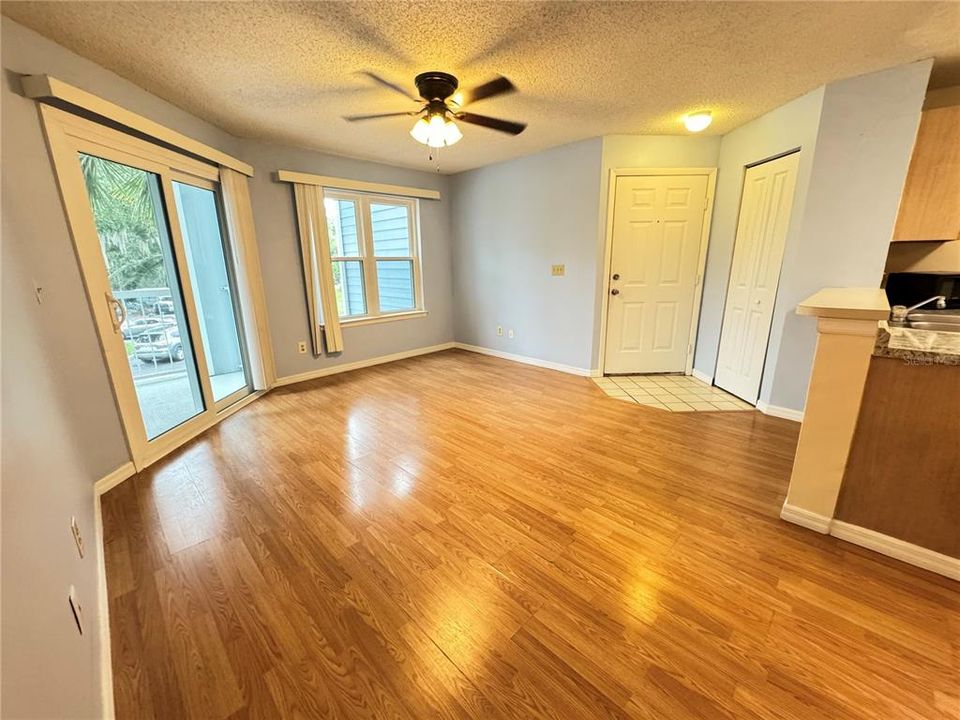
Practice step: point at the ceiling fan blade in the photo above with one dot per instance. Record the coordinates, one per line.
(355, 118)
(513, 128)
(498, 86)
(387, 84)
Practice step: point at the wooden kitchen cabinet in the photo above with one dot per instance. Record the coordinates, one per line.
(930, 206)
(903, 472)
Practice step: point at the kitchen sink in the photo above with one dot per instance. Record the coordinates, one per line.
(939, 320)
(949, 317)
(940, 326)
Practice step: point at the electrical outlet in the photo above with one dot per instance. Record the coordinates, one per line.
(302, 347)
(500, 330)
(558, 270)
(77, 537)
(76, 608)
(510, 333)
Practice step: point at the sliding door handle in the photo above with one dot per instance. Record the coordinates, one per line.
(118, 313)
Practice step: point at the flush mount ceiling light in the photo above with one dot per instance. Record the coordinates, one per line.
(698, 121)
(441, 104)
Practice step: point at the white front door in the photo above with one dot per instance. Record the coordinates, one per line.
(758, 253)
(657, 224)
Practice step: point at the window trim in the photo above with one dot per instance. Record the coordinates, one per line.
(368, 259)
(388, 317)
(45, 88)
(345, 184)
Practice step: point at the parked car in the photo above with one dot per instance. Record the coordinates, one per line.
(159, 343)
(132, 327)
(134, 307)
(164, 306)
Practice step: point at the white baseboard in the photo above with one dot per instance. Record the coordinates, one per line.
(583, 372)
(873, 540)
(805, 518)
(108, 481)
(702, 376)
(780, 412)
(898, 549)
(370, 362)
(111, 480)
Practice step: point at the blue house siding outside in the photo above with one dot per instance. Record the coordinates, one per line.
(391, 238)
(352, 273)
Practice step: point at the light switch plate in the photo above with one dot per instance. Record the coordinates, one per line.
(76, 608)
(77, 537)
(558, 270)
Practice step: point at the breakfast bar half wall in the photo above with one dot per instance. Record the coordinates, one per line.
(847, 340)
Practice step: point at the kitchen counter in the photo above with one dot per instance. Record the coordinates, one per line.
(877, 448)
(847, 304)
(910, 356)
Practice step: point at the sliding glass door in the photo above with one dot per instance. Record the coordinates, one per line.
(145, 292)
(159, 271)
(214, 290)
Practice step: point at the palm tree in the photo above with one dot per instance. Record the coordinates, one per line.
(122, 199)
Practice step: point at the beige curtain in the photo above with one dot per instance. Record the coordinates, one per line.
(239, 219)
(317, 269)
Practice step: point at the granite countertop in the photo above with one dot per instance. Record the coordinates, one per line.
(911, 356)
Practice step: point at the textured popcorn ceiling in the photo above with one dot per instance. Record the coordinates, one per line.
(286, 71)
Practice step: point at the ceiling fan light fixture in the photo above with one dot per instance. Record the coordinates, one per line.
(451, 133)
(698, 121)
(435, 131)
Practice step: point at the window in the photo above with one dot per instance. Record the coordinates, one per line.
(374, 254)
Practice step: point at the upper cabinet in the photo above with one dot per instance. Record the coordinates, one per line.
(930, 206)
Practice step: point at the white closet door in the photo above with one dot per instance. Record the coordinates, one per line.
(758, 253)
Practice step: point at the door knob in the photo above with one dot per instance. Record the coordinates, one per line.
(616, 276)
(614, 292)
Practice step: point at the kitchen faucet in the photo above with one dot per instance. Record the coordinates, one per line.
(900, 312)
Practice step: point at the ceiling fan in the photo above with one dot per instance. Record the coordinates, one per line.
(441, 104)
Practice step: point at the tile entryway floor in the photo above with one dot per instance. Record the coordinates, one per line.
(677, 393)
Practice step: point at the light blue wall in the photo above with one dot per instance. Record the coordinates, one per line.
(789, 127)
(856, 137)
(512, 221)
(275, 220)
(61, 429)
(868, 125)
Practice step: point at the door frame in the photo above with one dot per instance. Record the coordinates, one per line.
(66, 135)
(614, 175)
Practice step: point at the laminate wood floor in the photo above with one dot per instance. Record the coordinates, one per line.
(456, 536)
